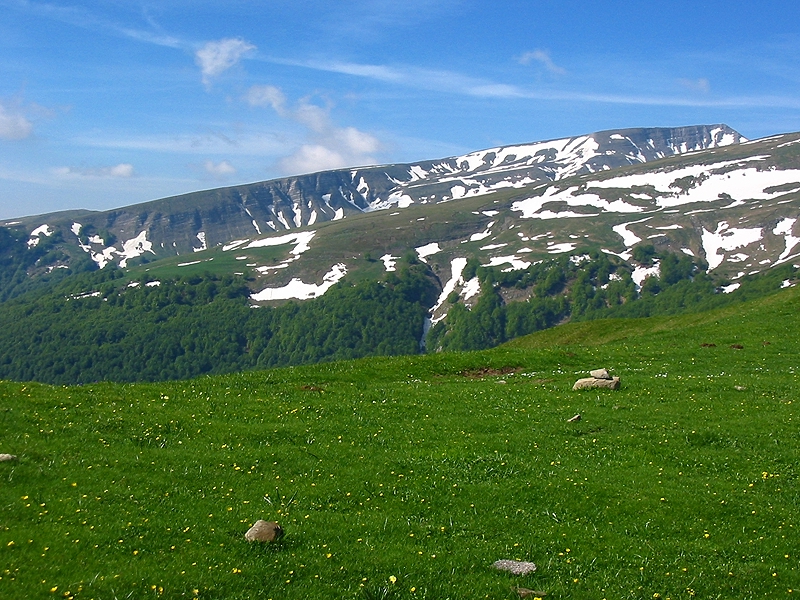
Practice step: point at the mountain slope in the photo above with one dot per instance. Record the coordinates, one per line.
(645, 239)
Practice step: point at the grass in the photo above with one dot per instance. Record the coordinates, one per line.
(407, 478)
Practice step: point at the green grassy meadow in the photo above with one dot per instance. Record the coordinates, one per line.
(406, 478)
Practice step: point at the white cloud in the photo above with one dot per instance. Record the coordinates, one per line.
(220, 169)
(13, 124)
(356, 141)
(328, 146)
(311, 158)
(263, 95)
(120, 171)
(543, 58)
(696, 85)
(217, 57)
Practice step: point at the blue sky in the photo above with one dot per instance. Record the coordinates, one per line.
(110, 103)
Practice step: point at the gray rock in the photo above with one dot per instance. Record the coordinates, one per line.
(591, 383)
(600, 374)
(515, 567)
(7, 457)
(264, 531)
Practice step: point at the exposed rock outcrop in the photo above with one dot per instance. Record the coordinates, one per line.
(600, 379)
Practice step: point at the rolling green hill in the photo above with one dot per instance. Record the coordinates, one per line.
(408, 477)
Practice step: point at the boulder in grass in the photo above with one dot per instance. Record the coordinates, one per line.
(515, 567)
(600, 374)
(590, 383)
(264, 531)
(7, 457)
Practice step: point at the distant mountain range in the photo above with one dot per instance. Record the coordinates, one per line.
(704, 191)
(191, 222)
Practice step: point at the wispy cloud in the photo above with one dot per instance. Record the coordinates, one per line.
(328, 146)
(267, 95)
(14, 124)
(78, 16)
(543, 58)
(459, 84)
(120, 171)
(696, 85)
(219, 143)
(214, 58)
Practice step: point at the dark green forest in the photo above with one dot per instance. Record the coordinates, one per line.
(596, 288)
(80, 325)
(198, 325)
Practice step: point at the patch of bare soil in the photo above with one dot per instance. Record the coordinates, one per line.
(488, 372)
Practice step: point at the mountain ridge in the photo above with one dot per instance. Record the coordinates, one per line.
(732, 207)
(189, 222)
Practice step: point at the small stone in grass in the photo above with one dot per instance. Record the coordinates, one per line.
(515, 567)
(600, 374)
(7, 457)
(264, 531)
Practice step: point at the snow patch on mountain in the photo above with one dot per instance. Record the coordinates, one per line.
(298, 290)
(201, 236)
(389, 262)
(301, 240)
(706, 183)
(135, 247)
(43, 230)
(629, 238)
(784, 228)
(233, 244)
(561, 248)
(471, 288)
(531, 208)
(640, 273)
(427, 250)
(726, 238)
(456, 269)
(477, 237)
(517, 264)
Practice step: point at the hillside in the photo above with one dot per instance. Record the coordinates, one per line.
(732, 207)
(627, 223)
(407, 478)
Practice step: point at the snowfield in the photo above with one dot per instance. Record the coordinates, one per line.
(298, 290)
(726, 238)
(667, 189)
